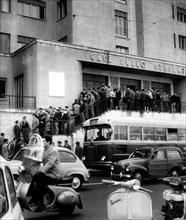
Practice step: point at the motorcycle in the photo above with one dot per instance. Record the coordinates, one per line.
(175, 199)
(56, 197)
(130, 202)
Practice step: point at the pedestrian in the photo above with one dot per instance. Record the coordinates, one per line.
(35, 124)
(79, 150)
(25, 129)
(59, 144)
(76, 112)
(2, 137)
(16, 130)
(67, 145)
(5, 149)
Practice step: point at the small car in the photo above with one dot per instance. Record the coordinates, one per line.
(70, 165)
(9, 205)
(150, 162)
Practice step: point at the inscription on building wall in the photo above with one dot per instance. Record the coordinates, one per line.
(146, 64)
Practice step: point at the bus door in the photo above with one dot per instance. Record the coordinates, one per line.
(158, 164)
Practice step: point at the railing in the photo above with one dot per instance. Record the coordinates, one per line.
(18, 102)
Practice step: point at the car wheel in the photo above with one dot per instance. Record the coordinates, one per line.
(138, 175)
(175, 172)
(78, 180)
(66, 210)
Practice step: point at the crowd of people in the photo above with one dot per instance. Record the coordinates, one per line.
(90, 103)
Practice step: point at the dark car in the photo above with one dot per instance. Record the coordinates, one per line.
(149, 162)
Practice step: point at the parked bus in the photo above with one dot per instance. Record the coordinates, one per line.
(109, 139)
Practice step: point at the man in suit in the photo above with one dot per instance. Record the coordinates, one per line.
(49, 172)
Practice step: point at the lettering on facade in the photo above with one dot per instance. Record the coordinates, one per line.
(105, 58)
(138, 63)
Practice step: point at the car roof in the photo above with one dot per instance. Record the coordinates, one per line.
(156, 148)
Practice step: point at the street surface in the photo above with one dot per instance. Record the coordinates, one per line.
(94, 197)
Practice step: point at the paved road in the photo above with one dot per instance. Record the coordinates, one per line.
(94, 196)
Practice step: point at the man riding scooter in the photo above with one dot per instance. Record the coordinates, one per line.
(39, 188)
(49, 172)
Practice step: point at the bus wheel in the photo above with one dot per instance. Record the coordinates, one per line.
(175, 172)
(138, 175)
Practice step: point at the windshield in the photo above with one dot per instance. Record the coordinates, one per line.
(98, 133)
(20, 155)
(142, 153)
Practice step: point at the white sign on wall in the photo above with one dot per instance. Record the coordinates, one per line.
(56, 84)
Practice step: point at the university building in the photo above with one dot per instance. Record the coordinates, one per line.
(50, 50)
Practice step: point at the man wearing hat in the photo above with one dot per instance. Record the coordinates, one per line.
(79, 150)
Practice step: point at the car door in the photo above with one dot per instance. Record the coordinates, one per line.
(158, 164)
(174, 158)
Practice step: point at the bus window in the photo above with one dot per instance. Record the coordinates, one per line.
(120, 132)
(149, 133)
(135, 133)
(160, 134)
(172, 134)
(181, 134)
(98, 133)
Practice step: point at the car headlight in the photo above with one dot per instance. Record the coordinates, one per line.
(112, 168)
(21, 169)
(103, 158)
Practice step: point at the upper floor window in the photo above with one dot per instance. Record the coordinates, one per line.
(182, 42)
(33, 8)
(2, 87)
(4, 43)
(122, 49)
(121, 23)
(62, 9)
(64, 39)
(181, 14)
(123, 1)
(5, 5)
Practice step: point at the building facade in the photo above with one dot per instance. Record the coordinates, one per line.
(50, 50)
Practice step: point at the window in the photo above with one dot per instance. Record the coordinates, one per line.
(172, 134)
(5, 5)
(181, 15)
(4, 43)
(123, 1)
(13, 197)
(3, 196)
(64, 39)
(121, 23)
(62, 9)
(66, 157)
(160, 134)
(22, 40)
(2, 87)
(182, 42)
(181, 134)
(122, 49)
(174, 37)
(172, 154)
(32, 8)
(120, 132)
(149, 134)
(135, 133)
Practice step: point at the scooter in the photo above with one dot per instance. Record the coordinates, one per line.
(129, 202)
(175, 199)
(56, 197)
